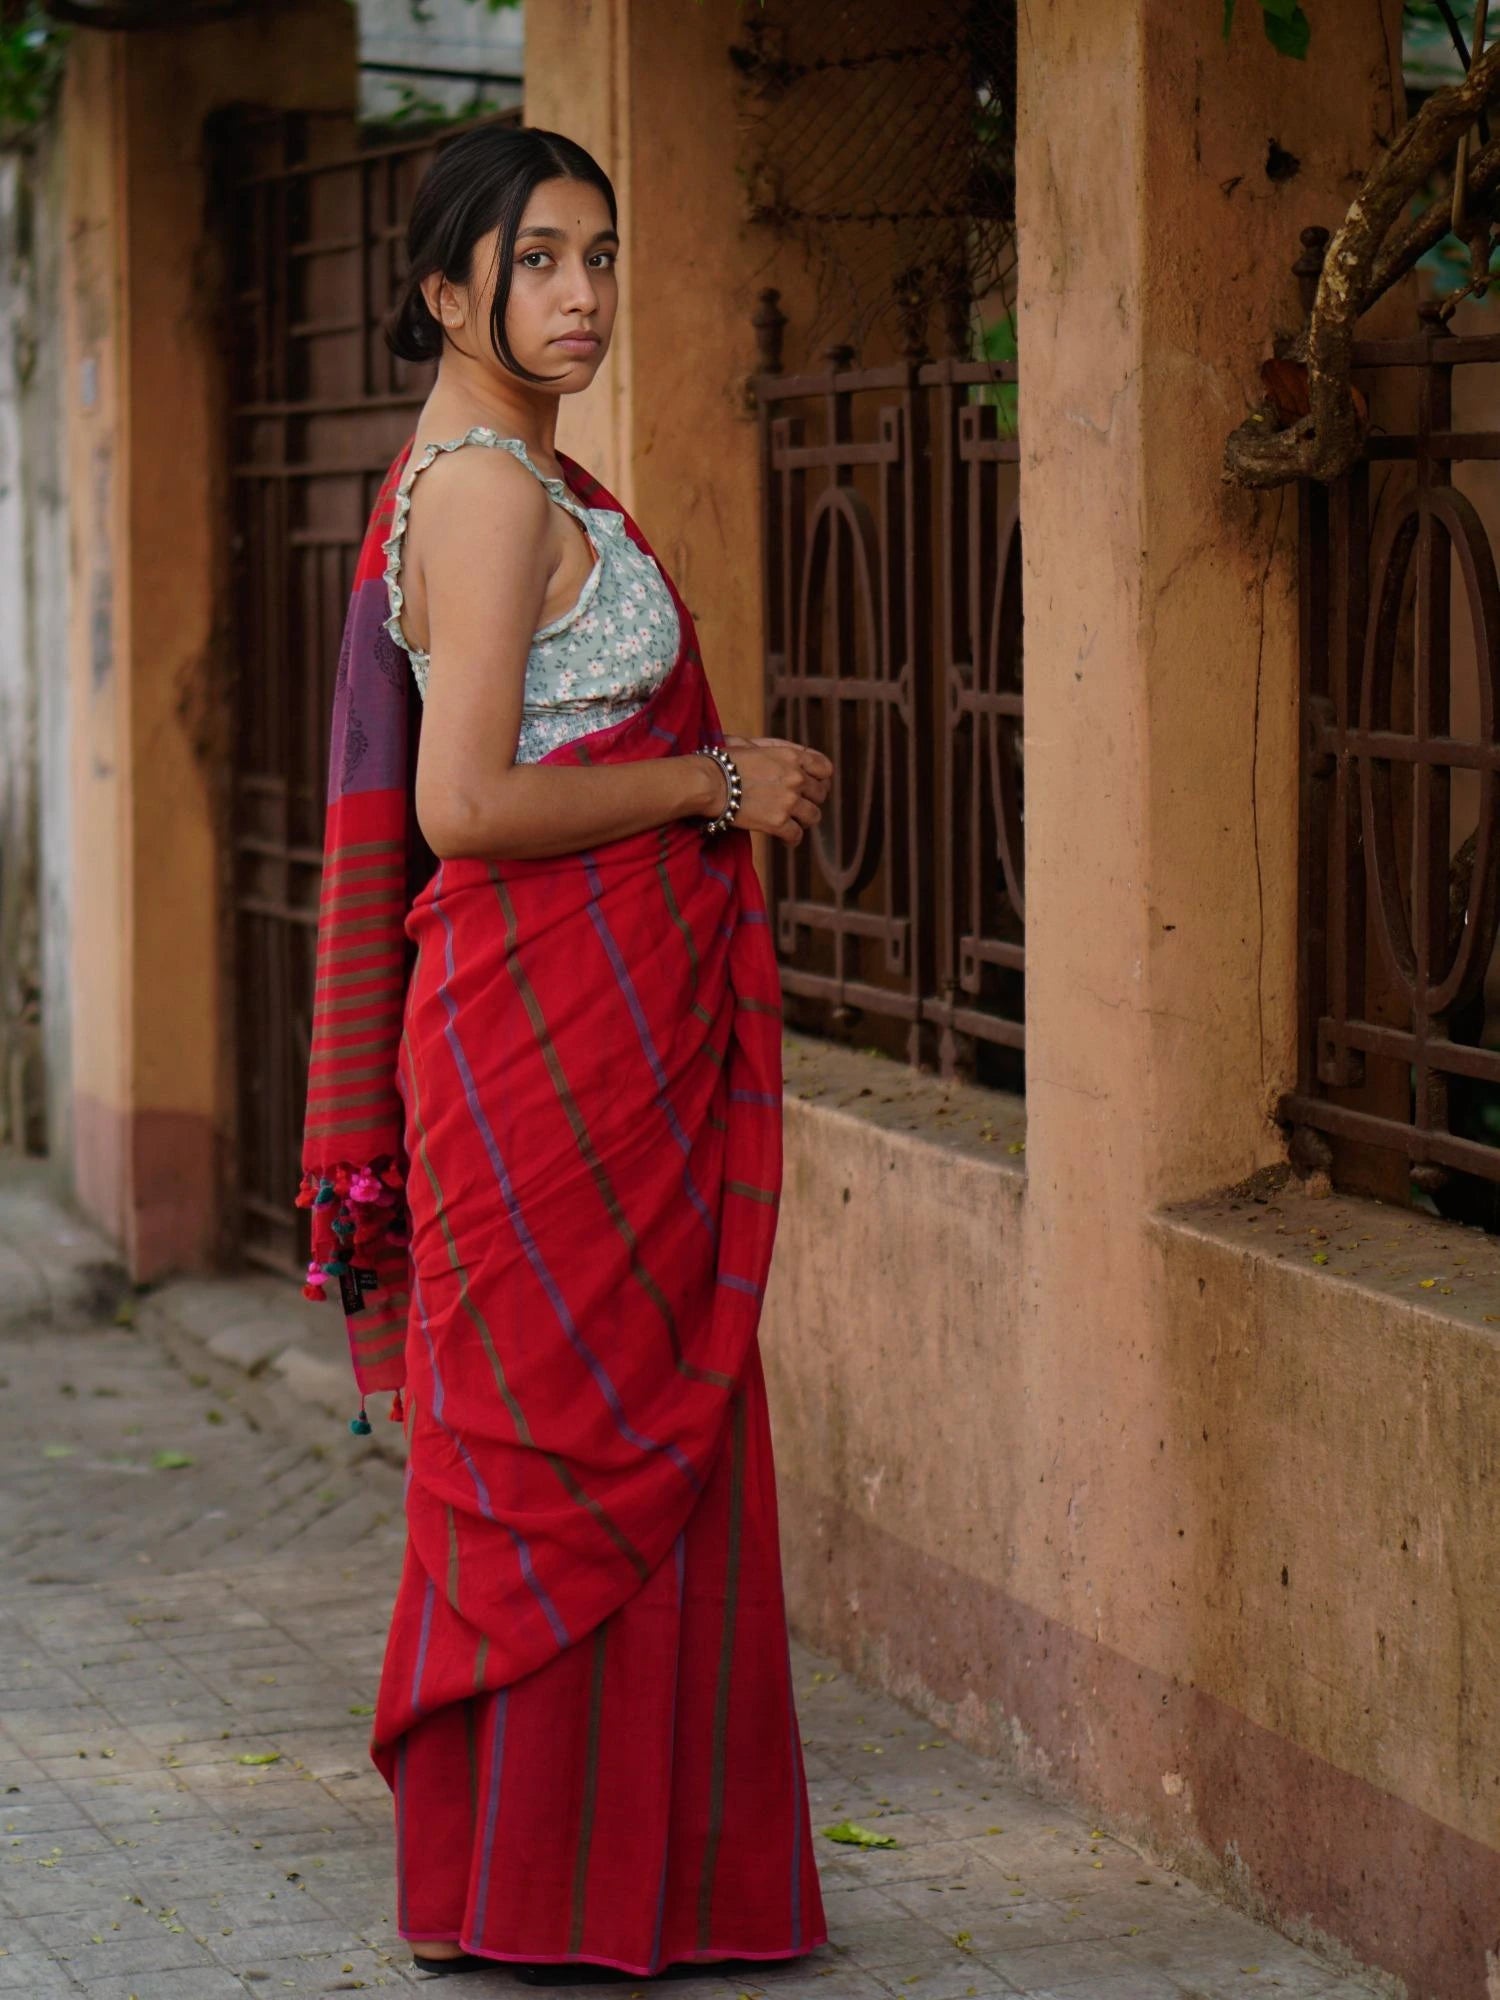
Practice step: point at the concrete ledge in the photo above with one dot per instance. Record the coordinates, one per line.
(53, 1265)
(882, 1094)
(312, 1379)
(1397, 1256)
(1330, 1416)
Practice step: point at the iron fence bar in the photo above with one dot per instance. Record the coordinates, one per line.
(885, 535)
(1397, 912)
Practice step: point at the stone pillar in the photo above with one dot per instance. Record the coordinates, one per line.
(1163, 176)
(1157, 240)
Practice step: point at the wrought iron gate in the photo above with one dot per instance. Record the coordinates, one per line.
(1398, 1090)
(319, 408)
(893, 620)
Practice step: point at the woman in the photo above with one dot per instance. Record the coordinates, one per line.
(543, 1149)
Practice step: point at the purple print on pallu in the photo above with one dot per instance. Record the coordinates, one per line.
(528, 1242)
(665, 735)
(717, 873)
(754, 1097)
(369, 701)
(491, 1811)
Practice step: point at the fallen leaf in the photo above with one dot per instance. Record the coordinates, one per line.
(851, 1835)
(259, 1757)
(170, 1461)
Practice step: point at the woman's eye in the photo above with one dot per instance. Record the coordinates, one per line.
(526, 256)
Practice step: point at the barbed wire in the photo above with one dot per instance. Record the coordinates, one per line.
(887, 162)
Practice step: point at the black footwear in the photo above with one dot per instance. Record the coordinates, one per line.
(575, 1972)
(707, 1968)
(439, 1968)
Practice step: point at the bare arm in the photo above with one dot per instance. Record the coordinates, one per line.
(485, 554)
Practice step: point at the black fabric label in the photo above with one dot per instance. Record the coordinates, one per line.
(352, 1292)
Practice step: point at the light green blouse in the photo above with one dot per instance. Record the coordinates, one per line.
(602, 658)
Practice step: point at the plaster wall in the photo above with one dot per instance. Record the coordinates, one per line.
(1288, 1690)
(670, 423)
(1186, 1528)
(148, 650)
(46, 506)
(34, 1086)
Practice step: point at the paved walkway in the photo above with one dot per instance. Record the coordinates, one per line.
(193, 1585)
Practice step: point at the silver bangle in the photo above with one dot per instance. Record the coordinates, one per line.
(731, 772)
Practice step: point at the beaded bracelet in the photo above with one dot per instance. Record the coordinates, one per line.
(731, 772)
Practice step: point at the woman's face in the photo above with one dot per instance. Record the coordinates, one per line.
(563, 289)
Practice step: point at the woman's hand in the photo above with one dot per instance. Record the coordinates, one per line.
(783, 785)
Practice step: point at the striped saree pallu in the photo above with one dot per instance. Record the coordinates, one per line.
(586, 1712)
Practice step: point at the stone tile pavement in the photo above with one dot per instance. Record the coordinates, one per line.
(194, 1577)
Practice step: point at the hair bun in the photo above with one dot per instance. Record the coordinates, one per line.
(411, 332)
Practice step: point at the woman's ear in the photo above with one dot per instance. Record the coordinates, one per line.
(441, 300)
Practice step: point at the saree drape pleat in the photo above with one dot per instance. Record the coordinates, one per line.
(586, 1712)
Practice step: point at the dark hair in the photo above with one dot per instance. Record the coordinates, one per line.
(481, 180)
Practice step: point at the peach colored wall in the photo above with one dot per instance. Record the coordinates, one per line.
(101, 886)
(576, 84)
(648, 87)
(991, 1398)
(1044, 1452)
(148, 652)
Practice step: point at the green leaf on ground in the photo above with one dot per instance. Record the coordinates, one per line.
(858, 1836)
(259, 1757)
(57, 1451)
(170, 1461)
(362, 1708)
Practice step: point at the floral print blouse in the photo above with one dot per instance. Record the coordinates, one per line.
(598, 661)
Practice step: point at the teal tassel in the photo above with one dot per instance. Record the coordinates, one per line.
(337, 1268)
(360, 1425)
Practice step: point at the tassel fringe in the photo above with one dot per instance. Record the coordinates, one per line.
(356, 1211)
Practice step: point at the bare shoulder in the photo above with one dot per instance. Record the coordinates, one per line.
(476, 498)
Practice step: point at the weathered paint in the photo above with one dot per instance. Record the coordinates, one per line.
(149, 659)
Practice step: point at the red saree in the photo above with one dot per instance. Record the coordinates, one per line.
(555, 1240)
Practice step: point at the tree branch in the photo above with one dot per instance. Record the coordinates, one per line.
(1329, 438)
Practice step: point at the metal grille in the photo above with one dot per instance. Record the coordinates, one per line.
(892, 591)
(319, 409)
(1399, 1081)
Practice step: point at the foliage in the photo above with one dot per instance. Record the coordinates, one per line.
(998, 341)
(31, 62)
(1287, 27)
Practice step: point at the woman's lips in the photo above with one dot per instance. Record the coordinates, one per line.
(577, 343)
